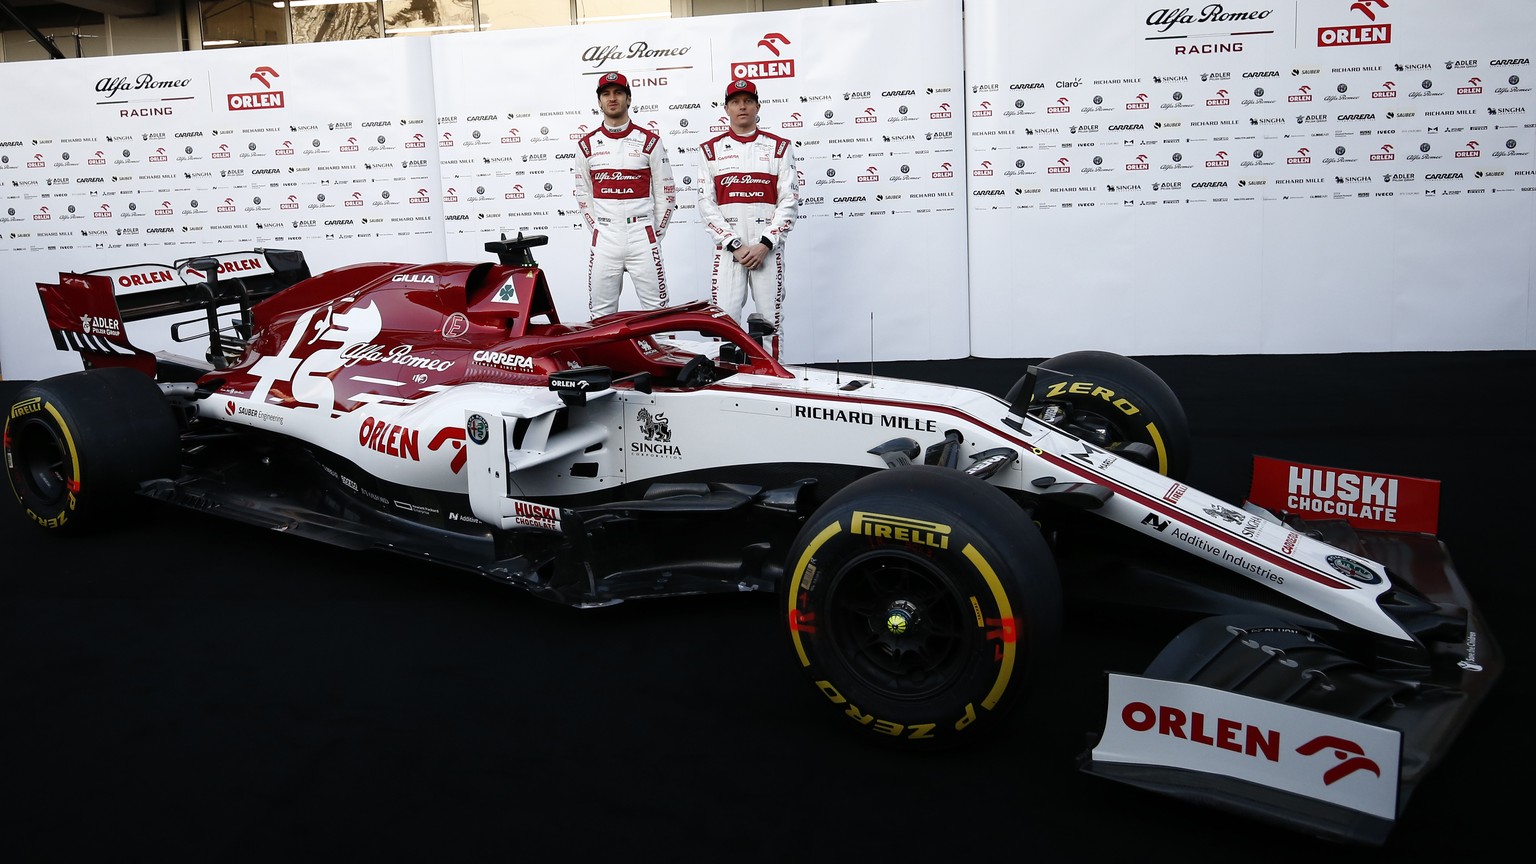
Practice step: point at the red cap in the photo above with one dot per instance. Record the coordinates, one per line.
(613, 79)
(740, 85)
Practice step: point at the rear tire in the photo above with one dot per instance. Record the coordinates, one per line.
(78, 445)
(921, 601)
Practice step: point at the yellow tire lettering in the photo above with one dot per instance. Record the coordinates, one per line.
(968, 719)
(830, 691)
(858, 716)
(886, 727)
(922, 731)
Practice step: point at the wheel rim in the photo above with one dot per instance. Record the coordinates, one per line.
(897, 624)
(39, 463)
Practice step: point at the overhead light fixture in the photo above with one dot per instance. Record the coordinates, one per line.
(295, 4)
(219, 43)
(391, 31)
(636, 17)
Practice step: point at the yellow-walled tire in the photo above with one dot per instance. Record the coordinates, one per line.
(1116, 400)
(920, 601)
(78, 445)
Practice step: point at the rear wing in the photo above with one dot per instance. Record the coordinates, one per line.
(87, 312)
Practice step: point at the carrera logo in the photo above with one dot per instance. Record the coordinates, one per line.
(268, 98)
(901, 529)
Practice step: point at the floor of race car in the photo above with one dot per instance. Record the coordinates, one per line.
(188, 689)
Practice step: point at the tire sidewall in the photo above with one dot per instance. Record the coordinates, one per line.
(1138, 403)
(111, 429)
(1000, 586)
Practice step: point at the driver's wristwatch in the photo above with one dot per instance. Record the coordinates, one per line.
(733, 245)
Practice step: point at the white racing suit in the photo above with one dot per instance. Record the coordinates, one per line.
(625, 194)
(748, 190)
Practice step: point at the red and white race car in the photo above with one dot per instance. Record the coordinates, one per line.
(919, 538)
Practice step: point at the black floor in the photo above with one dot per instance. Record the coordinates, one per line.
(183, 689)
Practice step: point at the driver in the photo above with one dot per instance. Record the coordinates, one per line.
(749, 195)
(625, 194)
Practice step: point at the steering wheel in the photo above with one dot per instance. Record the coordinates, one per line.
(697, 372)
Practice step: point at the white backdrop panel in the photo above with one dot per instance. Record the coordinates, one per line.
(1272, 168)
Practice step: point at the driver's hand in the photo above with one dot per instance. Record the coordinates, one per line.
(751, 255)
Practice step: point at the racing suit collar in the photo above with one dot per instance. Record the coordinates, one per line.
(745, 139)
(617, 131)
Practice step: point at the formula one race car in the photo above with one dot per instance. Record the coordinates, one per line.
(920, 538)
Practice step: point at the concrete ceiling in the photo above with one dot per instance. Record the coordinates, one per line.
(40, 12)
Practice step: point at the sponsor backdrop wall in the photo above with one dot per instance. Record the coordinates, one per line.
(1006, 179)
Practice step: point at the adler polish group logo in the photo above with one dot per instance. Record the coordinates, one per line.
(777, 67)
(261, 99)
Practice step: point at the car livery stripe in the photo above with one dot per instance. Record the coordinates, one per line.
(1288, 565)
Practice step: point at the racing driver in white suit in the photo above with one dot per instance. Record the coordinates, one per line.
(749, 195)
(625, 194)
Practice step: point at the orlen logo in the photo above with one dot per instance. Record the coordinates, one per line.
(1388, 91)
(984, 171)
(268, 98)
(1219, 99)
(942, 114)
(1386, 154)
(1303, 157)
(1348, 757)
(1062, 106)
(794, 122)
(945, 170)
(1199, 727)
(983, 110)
(870, 175)
(1219, 162)
(421, 197)
(1062, 166)
(1139, 165)
(1470, 153)
(781, 67)
(1374, 33)
(1141, 103)
(1474, 87)
(1302, 94)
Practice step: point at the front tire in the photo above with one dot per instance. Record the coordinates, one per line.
(1114, 400)
(921, 601)
(78, 445)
